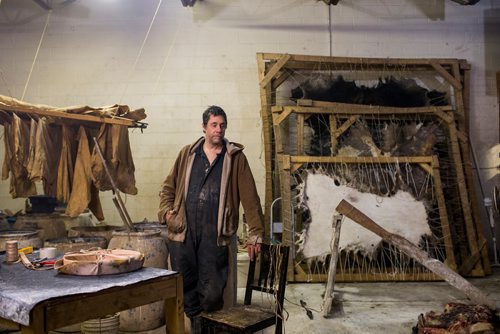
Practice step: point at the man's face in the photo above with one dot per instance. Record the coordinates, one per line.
(215, 130)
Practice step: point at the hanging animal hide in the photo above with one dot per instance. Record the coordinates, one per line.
(84, 194)
(65, 168)
(115, 145)
(44, 152)
(322, 193)
(17, 150)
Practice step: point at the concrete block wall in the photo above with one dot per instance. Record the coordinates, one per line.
(175, 61)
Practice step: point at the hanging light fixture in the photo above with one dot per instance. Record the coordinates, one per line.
(188, 3)
(466, 2)
(331, 2)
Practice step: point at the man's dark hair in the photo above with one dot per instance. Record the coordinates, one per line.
(213, 111)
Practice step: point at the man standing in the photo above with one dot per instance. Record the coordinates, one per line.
(199, 202)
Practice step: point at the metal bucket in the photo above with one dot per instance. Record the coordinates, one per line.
(154, 248)
(24, 238)
(83, 219)
(75, 244)
(148, 226)
(104, 231)
(49, 226)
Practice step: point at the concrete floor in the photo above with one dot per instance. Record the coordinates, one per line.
(372, 308)
(375, 308)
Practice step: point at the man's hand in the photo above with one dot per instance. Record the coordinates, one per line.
(169, 215)
(253, 250)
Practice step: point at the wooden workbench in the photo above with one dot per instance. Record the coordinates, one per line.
(40, 301)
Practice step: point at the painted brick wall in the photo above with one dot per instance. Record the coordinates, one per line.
(98, 52)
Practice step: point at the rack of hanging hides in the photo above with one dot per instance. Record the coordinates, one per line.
(74, 151)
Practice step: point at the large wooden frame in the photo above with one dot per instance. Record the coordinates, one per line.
(275, 69)
(291, 164)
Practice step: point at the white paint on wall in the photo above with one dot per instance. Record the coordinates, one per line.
(400, 214)
(194, 57)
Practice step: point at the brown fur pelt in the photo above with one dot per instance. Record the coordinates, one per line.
(420, 143)
(359, 142)
(412, 139)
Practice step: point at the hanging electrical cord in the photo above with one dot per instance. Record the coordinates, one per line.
(309, 310)
(140, 52)
(36, 54)
(478, 173)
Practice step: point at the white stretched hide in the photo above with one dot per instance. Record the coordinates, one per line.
(400, 214)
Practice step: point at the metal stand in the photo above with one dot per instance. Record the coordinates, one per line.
(277, 227)
(489, 208)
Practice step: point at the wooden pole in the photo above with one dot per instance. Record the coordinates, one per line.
(328, 299)
(436, 266)
(267, 131)
(117, 200)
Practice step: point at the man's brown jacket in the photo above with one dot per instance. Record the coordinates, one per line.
(237, 184)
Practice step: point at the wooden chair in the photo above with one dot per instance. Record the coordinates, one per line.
(248, 318)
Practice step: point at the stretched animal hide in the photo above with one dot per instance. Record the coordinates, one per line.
(391, 136)
(359, 142)
(421, 143)
(400, 214)
(412, 139)
(328, 88)
(390, 92)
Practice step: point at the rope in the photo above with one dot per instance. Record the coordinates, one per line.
(140, 50)
(5, 82)
(36, 54)
(167, 56)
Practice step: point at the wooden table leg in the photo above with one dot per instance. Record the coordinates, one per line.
(174, 310)
(37, 325)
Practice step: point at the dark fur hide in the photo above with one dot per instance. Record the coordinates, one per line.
(389, 92)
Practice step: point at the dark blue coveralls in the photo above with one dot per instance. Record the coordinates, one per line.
(203, 264)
